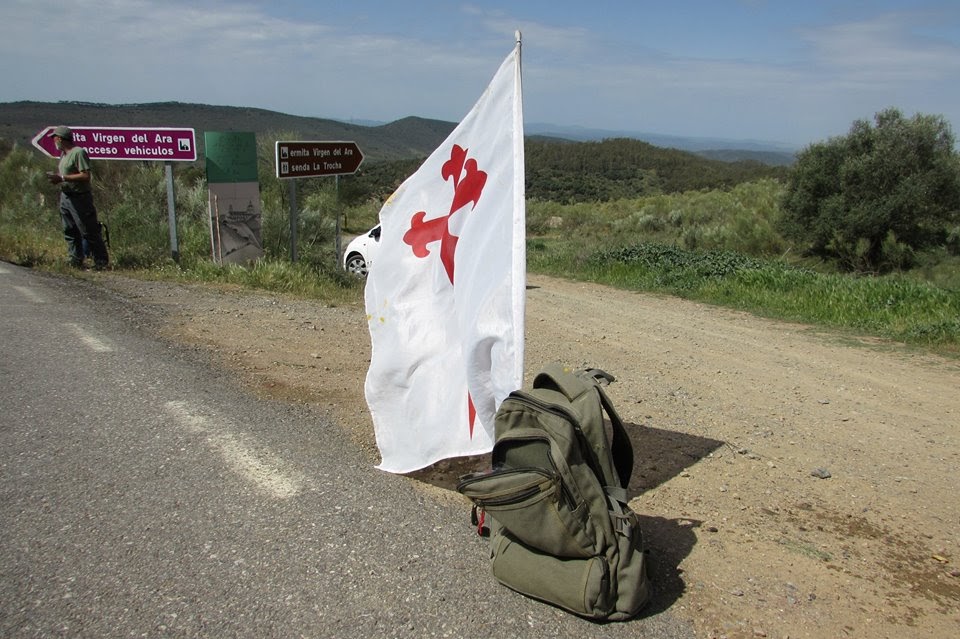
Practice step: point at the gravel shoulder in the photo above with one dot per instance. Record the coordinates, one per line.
(792, 482)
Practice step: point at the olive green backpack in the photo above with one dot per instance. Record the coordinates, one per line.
(562, 531)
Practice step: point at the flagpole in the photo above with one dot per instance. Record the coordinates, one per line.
(519, 252)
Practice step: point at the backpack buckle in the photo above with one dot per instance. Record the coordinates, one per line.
(478, 517)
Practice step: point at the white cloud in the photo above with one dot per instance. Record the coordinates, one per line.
(888, 49)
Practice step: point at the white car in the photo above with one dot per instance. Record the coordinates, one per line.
(361, 251)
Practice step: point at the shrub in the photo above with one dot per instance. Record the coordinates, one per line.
(870, 199)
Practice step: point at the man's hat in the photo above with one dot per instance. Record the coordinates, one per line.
(62, 132)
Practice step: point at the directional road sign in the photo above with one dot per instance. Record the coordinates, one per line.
(313, 159)
(127, 143)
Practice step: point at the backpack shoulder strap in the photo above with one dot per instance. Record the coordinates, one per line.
(620, 448)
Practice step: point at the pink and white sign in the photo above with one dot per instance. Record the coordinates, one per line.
(126, 143)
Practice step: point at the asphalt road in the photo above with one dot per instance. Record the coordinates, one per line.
(144, 493)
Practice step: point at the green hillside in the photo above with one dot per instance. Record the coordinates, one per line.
(557, 169)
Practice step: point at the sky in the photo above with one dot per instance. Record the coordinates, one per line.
(787, 71)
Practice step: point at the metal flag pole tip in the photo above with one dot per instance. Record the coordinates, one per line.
(516, 34)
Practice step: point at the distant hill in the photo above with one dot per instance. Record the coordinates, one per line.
(408, 138)
(723, 149)
(770, 158)
(683, 143)
(617, 168)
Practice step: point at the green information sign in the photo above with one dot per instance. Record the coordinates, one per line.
(231, 157)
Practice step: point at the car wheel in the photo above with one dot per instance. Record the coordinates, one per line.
(356, 265)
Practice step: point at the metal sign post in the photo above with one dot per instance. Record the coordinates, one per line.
(172, 214)
(293, 220)
(336, 241)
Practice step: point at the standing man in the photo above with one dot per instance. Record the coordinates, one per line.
(77, 212)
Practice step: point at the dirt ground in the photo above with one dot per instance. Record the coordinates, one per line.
(792, 482)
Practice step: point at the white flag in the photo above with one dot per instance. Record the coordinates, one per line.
(445, 298)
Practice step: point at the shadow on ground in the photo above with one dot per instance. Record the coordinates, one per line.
(659, 455)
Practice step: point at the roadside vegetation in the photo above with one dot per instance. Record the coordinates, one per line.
(862, 233)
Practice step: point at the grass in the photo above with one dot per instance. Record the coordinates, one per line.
(722, 248)
(899, 307)
(896, 307)
(333, 287)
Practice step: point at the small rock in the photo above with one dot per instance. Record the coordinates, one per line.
(821, 473)
(712, 529)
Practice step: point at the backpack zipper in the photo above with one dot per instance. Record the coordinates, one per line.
(526, 493)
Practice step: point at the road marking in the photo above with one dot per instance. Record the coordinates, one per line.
(93, 343)
(29, 293)
(264, 473)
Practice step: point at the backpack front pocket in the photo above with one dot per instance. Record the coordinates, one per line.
(581, 585)
(534, 506)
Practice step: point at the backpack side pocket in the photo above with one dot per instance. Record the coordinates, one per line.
(630, 570)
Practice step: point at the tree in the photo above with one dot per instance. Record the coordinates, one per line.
(872, 199)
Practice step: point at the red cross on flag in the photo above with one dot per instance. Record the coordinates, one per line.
(445, 298)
